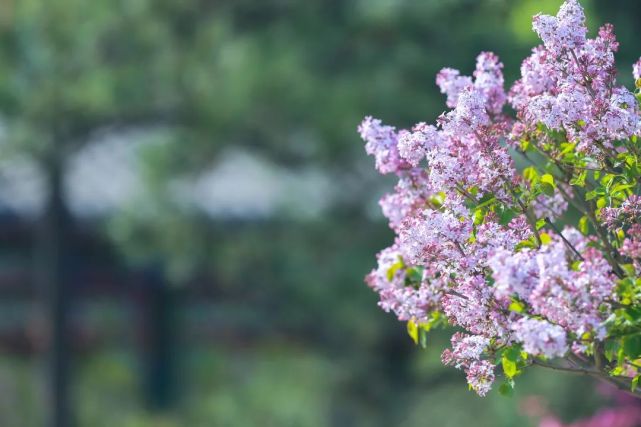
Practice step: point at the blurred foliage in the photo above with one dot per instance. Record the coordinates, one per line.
(289, 81)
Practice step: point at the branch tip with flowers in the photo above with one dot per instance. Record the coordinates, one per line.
(478, 245)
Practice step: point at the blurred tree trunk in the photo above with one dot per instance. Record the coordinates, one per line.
(158, 333)
(52, 257)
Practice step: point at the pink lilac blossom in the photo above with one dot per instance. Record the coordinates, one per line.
(621, 120)
(537, 78)
(389, 281)
(469, 115)
(471, 306)
(466, 354)
(435, 236)
(551, 207)
(452, 84)
(636, 70)
(410, 196)
(480, 376)
(543, 280)
(465, 349)
(474, 269)
(467, 161)
(413, 146)
(565, 31)
(540, 337)
(628, 213)
(382, 143)
(569, 83)
(488, 78)
(514, 273)
(473, 101)
(631, 247)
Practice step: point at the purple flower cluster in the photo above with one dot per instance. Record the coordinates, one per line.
(569, 296)
(382, 143)
(466, 353)
(632, 246)
(628, 213)
(540, 337)
(569, 83)
(468, 241)
(636, 70)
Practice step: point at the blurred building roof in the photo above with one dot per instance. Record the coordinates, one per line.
(106, 175)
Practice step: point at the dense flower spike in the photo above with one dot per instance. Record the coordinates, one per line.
(413, 146)
(382, 143)
(564, 32)
(477, 245)
(540, 337)
(452, 84)
(480, 376)
(569, 83)
(636, 70)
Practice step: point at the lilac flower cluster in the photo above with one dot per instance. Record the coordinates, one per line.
(569, 83)
(469, 240)
(636, 70)
(628, 213)
(572, 298)
(541, 337)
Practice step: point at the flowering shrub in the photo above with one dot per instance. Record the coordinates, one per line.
(488, 248)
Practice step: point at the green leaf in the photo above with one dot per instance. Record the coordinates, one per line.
(632, 314)
(610, 349)
(506, 215)
(394, 268)
(548, 179)
(516, 306)
(414, 275)
(530, 173)
(629, 269)
(608, 179)
(412, 331)
(512, 353)
(634, 383)
(486, 201)
(579, 180)
(621, 187)
(590, 195)
(540, 224)
(509, 367)
(529, 243)
(632, 346)
(422, 334)
(478, 216)
(545, 238)
(547, 189)
(567, 147)
(583, 225)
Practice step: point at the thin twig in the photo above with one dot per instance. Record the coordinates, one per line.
(566, 241)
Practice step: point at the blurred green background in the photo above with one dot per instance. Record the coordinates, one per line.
(187, 212)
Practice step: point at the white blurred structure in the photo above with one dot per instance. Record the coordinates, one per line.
(105, 176)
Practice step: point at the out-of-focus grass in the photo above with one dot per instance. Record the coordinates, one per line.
(279, 385)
